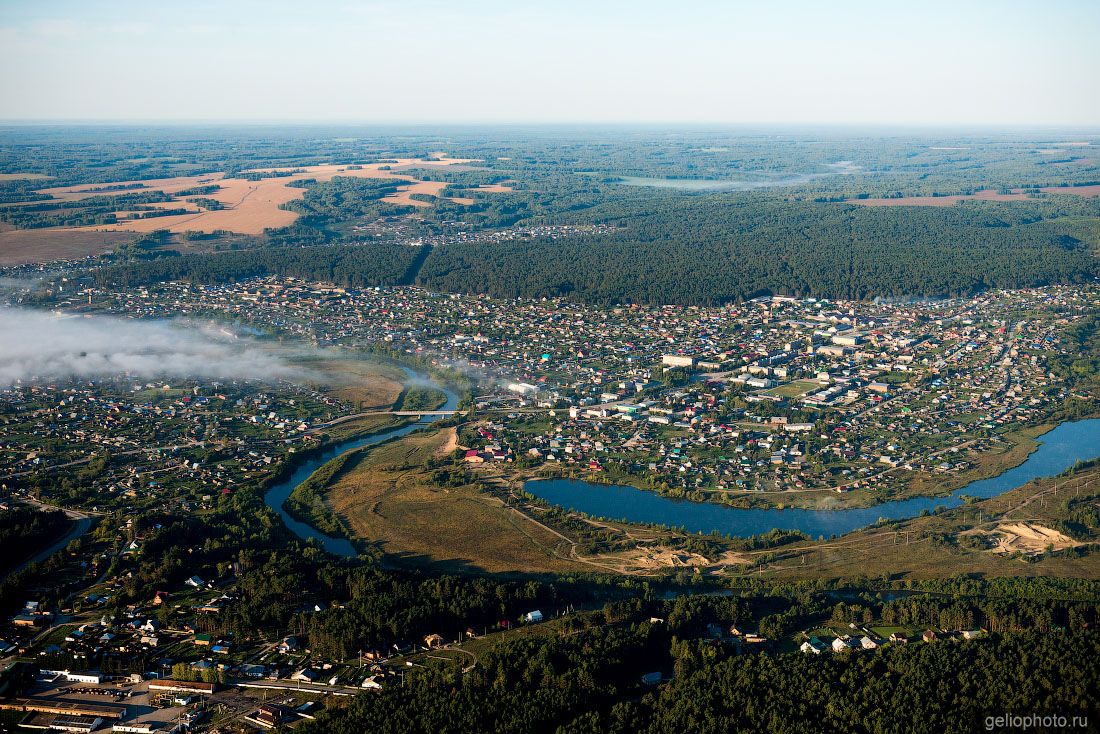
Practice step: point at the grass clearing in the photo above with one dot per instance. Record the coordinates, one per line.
(387, 498)
(24, 177)
(365, 382)
(985, 195)
(795, 389)
(938, 545)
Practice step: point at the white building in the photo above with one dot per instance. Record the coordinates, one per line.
(677, 360)
(812, 647)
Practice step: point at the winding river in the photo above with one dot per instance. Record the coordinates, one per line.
(1058, 450)
(278, 493)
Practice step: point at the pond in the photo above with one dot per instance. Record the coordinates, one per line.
(1058, 450)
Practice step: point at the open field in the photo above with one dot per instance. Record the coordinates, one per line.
(21, 246)
(987, 195)
(384, 496)
(795, 389)
(1086, 191)
(252, 206)
(365, 383)
(495, 188)
(167, 185)
(429, 188)
(24, 177)
(995, 537)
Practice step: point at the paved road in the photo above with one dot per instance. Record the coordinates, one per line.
(298, 686)
(82, 524)
(78, 462)
(400, 413)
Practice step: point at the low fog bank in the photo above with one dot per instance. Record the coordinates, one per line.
(38, 345)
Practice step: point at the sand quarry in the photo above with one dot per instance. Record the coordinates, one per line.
(253, 206)
(650, 558)
(1028, 538)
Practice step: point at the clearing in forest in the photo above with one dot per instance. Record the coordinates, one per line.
(985, 195)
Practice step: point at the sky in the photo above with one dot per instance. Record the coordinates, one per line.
(978, 62)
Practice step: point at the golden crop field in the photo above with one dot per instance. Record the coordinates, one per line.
(253, 206)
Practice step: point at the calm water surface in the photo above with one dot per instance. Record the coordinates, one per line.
(1058, 450)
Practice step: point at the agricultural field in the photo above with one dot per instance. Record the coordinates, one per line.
(1089, 192)
(22, 246)
(984, 195)
(250, 207)
(24, 177)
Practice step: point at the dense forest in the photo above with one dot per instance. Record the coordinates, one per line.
(24, 530)
(358, 267)
(693, 250)
(590, 682)
(706, 250)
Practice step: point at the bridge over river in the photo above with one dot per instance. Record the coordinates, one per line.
(399, 413)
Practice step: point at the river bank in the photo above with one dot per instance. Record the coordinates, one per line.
(1058, 450)
(278, 493)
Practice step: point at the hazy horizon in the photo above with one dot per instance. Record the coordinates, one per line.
(579, 125)
(426, 62)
